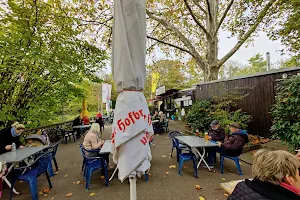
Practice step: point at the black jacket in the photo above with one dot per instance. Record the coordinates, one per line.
(100, 122)
(6, 138)
(235, 143)
(258, 190)
(77, 122)
(217, 135)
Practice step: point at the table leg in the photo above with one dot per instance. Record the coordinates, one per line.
(112, 176)
(7, 182)
(202, 159)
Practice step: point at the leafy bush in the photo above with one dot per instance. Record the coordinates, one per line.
(199, 115)
(286, 112)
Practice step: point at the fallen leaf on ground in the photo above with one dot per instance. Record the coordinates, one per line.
(102, 177)
(172, 166)
(66, 175)
(226, 195)
(52, 198)
(184, 167)
(166, 173)
(223, 179)
(214, 171)
(45, 195)
(165, 176)
(149, 174)
(69, 194)
(46, 190)
(201, 198)
(41, 193)
(92, 194)
(55, 173)
(231, 170)
(163, 156)
(74, 182)
(198, 187)
(157, 135)
(77, 182)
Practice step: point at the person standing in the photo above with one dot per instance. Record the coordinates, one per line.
(11, 135)
(99, 120)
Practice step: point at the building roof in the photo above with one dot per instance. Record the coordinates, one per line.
(252, 75)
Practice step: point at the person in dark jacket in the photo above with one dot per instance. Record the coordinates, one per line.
(77, 122)
(235, 143)
(215, 133)
(11, 135)
(276, 177)
(99, 120)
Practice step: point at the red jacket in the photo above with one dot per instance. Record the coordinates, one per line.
(86, 120)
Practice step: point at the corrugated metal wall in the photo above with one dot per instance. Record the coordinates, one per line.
(259, 101)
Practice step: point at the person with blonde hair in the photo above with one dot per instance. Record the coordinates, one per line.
(91, 140)
(276, 177)
(11, 135)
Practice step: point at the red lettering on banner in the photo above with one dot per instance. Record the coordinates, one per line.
(144, 140)
(127, 122)
(121, 125)
(136, 115)
(131, 117)
(113, 136)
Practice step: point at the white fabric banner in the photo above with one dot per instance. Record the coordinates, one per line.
(132, 130)
(106, 92)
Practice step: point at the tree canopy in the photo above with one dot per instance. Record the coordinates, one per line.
(42, 60)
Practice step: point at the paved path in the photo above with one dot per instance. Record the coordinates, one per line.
(160, 186)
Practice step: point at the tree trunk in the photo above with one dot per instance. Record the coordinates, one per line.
(211, 69)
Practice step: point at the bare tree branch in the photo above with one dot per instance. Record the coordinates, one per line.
(169, 44)
(191, 49)
(199, 6)
(224, 16)
(208, 8)
(242, 40)
(194, 17)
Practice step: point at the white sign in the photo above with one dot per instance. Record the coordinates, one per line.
(183, 99)
(160, 90)
(106, 92)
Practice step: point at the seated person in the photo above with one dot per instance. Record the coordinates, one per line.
(86, 120)
(77, 122)
(276, 177)
(93, 142)
(162, 117)
(236, 141)
(155, 116)
(11, 135)
(215, 133)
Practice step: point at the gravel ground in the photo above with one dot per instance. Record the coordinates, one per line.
(160, 185)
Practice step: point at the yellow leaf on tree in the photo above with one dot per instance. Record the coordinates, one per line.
(92, 194)
(201, 198)
(69, 194)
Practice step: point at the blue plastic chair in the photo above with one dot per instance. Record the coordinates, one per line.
(54, 148)
(235, 159)
(91, 164)
(172, 136)
(84, 160)
(37, 168)
(182, 157)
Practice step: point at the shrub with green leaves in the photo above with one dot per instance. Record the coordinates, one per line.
(286, 112)
(199, 115)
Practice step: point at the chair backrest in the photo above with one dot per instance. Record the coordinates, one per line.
(43, 162)
(173, 134)
(55, 147)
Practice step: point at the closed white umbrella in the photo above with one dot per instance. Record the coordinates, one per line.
(132, 127)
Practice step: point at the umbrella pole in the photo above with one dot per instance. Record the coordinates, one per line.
(132, 181)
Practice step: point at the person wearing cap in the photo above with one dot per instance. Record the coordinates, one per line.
(216, 132)
(234, 144)
(11, 135)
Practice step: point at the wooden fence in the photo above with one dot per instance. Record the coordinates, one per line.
(261, 90)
